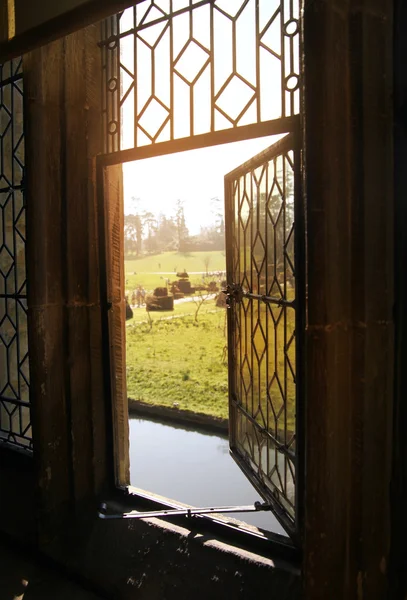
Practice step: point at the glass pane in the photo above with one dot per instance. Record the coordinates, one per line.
(263, 394)
(198, 69)
(15, 426)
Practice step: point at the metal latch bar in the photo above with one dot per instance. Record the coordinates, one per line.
(186, 512)
(236, 292)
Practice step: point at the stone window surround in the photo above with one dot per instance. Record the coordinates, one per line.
(330, 173)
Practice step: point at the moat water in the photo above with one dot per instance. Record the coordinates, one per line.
(191, 467)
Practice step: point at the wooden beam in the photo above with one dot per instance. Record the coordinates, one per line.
(44, 106)
(3, 22)
(6, 19)
(347, 48)
(55, 23)
(398, 556)
(63, 134)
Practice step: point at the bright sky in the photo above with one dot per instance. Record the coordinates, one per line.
(195, 177)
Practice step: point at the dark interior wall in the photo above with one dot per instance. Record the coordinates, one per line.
(62, 112)
(38, 22)
(349, 171)
(17, 496)
(398, 556)
(30, 14)
(3, 20)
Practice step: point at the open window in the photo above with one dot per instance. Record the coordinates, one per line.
(175, 79)
(264, 321)
(265, 297)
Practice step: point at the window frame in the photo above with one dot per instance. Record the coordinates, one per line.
(20, 294)
(291, 141)
(122, 490)
(114, 155)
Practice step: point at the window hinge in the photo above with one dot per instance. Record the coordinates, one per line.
(186, 512)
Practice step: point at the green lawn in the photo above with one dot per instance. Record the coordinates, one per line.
(179, 361)
(174, 359)
(268, 374)
(151, 271)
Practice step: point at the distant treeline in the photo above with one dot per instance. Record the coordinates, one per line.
(146, 233)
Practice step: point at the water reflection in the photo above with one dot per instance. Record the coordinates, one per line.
(192, 467)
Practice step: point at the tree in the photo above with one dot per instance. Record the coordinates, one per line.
(166, 233)
(133, 234)
(199, 299)
(182, 230)
(206, 261)
(149, 221)
(133, 229)
(276, 214)
(151, 244)
(217, 211)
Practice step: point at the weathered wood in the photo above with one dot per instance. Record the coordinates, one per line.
(114, 211)
(3, 21)
(63, 111)
(83, 141)
(398, 556)
(373, 36)
(38, 25)
(349, 333)
(43, 111)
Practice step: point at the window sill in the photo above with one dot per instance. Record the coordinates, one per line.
(225, 530)
(173, 558)
(181, 557)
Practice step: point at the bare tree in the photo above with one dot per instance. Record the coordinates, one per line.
(207, 262)
(199, 300)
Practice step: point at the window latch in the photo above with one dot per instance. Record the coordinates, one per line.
(185, 512)
(233, 291)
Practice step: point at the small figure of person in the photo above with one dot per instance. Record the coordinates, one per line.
(138, 296)
(133, 298)
(143, 296)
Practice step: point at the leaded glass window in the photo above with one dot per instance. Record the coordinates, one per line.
(15, 423)
(179, 68)
(182, 74)
(263, 212)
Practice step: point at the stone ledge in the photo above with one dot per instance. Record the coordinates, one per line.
(176, 415)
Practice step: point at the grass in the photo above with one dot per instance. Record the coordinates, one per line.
(180, 362)
(151, 271)
(176, 361)
(271, 373)
(173, 360)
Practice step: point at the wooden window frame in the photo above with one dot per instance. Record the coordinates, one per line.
(353, 104)
(108, 172)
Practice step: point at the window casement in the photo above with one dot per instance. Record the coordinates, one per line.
(15, 420)
(179, 75)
